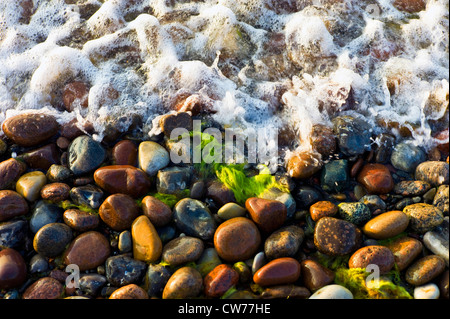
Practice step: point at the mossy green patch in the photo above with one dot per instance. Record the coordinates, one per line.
(69, 205)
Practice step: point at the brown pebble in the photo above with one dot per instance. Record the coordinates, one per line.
(405, 250)
(125, 153)
(157, 211)
(315, 276)
(322, 209)
(285, 292)
(131, 291)
(279, 271)
(219, 280)
(376, 179)
(12, 204)
(386, 225)
(55, 192)
(13, 269)
(372, 255)
(80, 220)
(424, 270)
(267, 214)
(44, 288)
(118, 211)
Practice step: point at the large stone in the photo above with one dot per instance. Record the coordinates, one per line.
(147, 245)
(45, 213)
(184, 283)
(386, 225)
(436, 240)
(44, 288)
(182, 250)
(85, 155)
(405, 250)
(80, 220)
(125, 153)
(13, 269)
(159, 213)
(87, 195)
(131, 291)
(406, 157)
(424, 270)
(42, 158)
(118, 211)
(376, 179)
(12, 205)
(152, 157)
(423, 217)
(10, 171)
(279, 271)
(267, 214)
(353, 134)
(286, 198)
(173, 180)
(434, 172)
(155, 279)
(304, 165)
(284, 242)
(315, 276)
(13, 234)
(219, 280)
(441, 199)
(52, 239)
(372, 255)
(193, 218)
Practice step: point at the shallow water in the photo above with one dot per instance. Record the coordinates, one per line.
(257, 63)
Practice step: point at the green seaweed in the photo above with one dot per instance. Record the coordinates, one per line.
(171, 199)
(67, 204)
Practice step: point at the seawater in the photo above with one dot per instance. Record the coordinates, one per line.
(286, 64)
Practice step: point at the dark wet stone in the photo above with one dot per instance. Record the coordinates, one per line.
(305, 196)
(87, 195)
(198, 190)
(124, 153)
(192, 217)
(173, 180)
(335, 176)
(80, 220)
(45, 213)
(315, 275)
(44, 288)
(284, 242)
(155, 279)
(91, 284)
(119, 211)
(58, 173)
(353, 134)
(13, 233)
(384, 149)
(157, 211)
(374, 202)
(12, 205)
(184, 283)
(10, 171)
(42, 158)
(279, 271)
(124, 270)
(51, 240)
(38, 264)
(441, 199)
(173, 121)
(219, 193)
(13, 269)
(356, 213)
(85, 155)
(411, 188)
(182, 250)
(166, 233)
(406, 157)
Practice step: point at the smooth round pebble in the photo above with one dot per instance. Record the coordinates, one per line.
(428, 291)
(184, 283)
(424, 270)
(372, 255)
(131, 291)
(386, 225)
(332, 292)
(279, 271)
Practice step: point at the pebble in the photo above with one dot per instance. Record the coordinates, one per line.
(323, 140)
(30, 184)
(12, 204)
(374, 202)
(443, 284)
(157, 211)
(91, 284)
(173, 180)
(152, 157)
(155, 279)
(87, 195)
(166, 233)
(131, 291)
(52, 239)
(88, 250)
(411, 188)
(258, 261)
(122, 270)
(45, 213)
(58, 173)
(192, 217)
(13, 269)
(267, 214)
(231, 210)
(384, 148)
(434, 172)
(305, 196)
(279, 271)
(44, 288)
(436, 240)
(284, 242)
(304, 165)
(386, 225)
(423, 217)
(237, 239)
(179, 120)
(13, 234)
(322, 209)
(335, 176)
(55, 192)
(405, 250)
(354, 212)
(42, 158)
(147, 245)
(185, 283)
(208, 261)
(314, 275)
(219, 280)
(198, 190)
(10, 171)
(182, 250)
(125, 244)
(353, 134)
(406, 157)
(410, 6)
(80, 221)
(285, 292)
(38, 264)
(124, 153)
(124, 179)
(372, 255)
(75, 95)
(219, 193)
(425, 270)
(85, 155)
(244, 271)
(332, 292)
(118, 211)
(336, 237)
(30, 129)
(441, 199)
(428, 291)
(376, 179)
(287, 199)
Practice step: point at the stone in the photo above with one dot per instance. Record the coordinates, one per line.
(441, 199)
(38, 264)
(156, 279)
(258, 261)
(405, 250)
(87, 195)
(219, 193)
(80, 221)
(131, 291)
(434, 172)
(423, 217)
(75, 95)
(284, 242)
(173, 180)
(374, 202)
(335, 176)
(410, 6)
(122, 270)
(125, 152)
(55, 192)
(124, 179)
(13, 234)
(30, 129)
(45, 213)
(125, 244)
(244, 271)
(237, 239)
(58, 173)
(118, 211)
(428, 291)
(208, 261)
(85, 155)
(180, 120)
(12, 204)
(182, 250)
(443, 284)
(147, 245)
(44, 288)
(336, 237)
(152, 157)
(42, 158)
(305, 196)
(287, 199)
(436, 240)
(10, 171)
(184, 283)
(332, 292)
(198, 190)
(354, 212)
(279, 271)
(322, 209)
(91, 284)
(372, 255)
(285, 292)
(386, 225)
(406, 157)
(304, 165)
(323, 140)
(425, 270)
(376, 179)
(88, 250)
(231, 210)
(157, 211)
(384, 148)
(219, 280)
(192, 217)
(166, 233)
(30, 184)
(267, 214)
(411, 188)
(353, 134)
(52, 239)
(315, 276)
(13, 269)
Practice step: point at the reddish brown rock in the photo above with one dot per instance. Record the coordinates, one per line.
(44, 288)
(89, 250)
(125, 153)
(10, 171)
(279, 271)
(322, 209)
(410, 6)
(170, 122)
(12, 205)
(405, 250)
(285, 292)
(131, 291)
(237, 239)
(376, 178)
(124, 179)
(55, 192)
(157, 211)
(315, 276)
(30, 129)
(219, 280)
(13, 270)
(80, 220)
(118, 211)
(267, 214)
(323, 140)
(376, 255)
(304, 165)
(71, 130)
(424, 270)
(43, 157)
(219, 193)
(74, 94)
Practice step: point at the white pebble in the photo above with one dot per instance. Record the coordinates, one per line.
(332, 292)
(428, 291)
